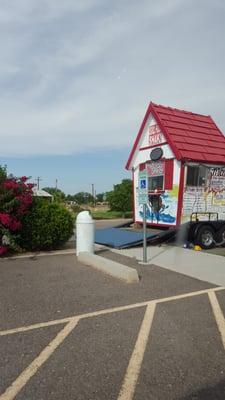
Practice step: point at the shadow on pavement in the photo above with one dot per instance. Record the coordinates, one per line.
(216, 392)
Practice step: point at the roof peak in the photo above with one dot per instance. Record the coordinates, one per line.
(178, 109)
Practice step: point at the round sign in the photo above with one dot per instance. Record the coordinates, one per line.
(156, 154)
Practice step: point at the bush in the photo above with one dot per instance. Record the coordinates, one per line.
(46, 227)
(16, 196)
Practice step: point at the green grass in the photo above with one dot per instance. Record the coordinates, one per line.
(110, 214)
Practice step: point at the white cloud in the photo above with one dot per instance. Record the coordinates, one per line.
(78, 75)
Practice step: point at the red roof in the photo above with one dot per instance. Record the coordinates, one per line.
(192, 137)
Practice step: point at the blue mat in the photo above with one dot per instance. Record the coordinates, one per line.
(120, 238)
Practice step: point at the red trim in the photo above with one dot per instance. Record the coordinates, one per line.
(190, 160)
(154, 145)
(180, 195)
(158, 225)
(169, 169)
(138, 137)
(164, 130)
(142, 166)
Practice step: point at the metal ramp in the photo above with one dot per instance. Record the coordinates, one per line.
(121, 238)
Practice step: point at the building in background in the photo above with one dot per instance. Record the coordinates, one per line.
(42, 194)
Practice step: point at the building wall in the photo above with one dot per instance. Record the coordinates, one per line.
(208, 198)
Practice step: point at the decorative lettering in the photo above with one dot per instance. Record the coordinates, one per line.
(155, 135)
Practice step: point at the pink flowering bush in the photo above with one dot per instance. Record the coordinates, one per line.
(16, 197)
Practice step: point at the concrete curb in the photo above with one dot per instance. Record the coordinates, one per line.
(110, 267)
(40, 254)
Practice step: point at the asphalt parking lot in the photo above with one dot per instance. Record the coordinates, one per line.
(70, 332)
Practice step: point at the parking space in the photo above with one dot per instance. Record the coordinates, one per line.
(83, 335)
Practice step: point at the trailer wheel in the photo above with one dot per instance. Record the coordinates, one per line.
(205, 237)
(221, 236)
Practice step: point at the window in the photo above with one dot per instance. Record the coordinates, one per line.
(196, 175)
(155, 182)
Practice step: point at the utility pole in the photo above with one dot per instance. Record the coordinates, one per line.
(56, 183)
(93, 192)
(38, 179)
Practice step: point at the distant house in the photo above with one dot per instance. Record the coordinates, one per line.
(42, 193)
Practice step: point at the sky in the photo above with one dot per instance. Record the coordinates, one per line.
(76, 77)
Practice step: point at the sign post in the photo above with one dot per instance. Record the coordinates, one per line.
(144, 234)
(143, 199)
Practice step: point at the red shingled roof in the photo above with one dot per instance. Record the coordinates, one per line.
(192, 137)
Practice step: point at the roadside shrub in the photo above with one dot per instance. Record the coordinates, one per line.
(16, 197)
(47, 226)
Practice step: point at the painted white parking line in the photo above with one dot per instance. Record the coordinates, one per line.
(218, 314)
(35, 326)
(24, 377)
(108, 311)
(134, 366)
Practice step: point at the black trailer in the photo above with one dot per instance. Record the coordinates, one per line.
(206, 233)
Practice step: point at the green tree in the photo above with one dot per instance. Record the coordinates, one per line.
(58, 195)
(3, 173)
(100, 197)
(83, 198)
(120, 198)
(70, 197)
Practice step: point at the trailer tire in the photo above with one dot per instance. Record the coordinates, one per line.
(221, 236)
(205, 237)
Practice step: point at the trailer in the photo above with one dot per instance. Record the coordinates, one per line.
(208, 233)
(178, 170)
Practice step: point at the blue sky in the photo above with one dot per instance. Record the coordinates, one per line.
(76, 77)
(74, 173)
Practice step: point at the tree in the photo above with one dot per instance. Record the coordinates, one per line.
(58, 195)
(120, 198)
(70, 197)
(100, 197)
(83, 198)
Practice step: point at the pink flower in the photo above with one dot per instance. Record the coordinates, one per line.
(5, 219)
(15, 225)
(30, 185)
(10, 184)
(23, 178)
(3, 250)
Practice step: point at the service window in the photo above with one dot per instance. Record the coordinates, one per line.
(155, 182)
(196, 175)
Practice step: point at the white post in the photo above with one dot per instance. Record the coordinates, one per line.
(84, 233)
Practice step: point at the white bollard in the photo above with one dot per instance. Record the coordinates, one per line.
(84, 233)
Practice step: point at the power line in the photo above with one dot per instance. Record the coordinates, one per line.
(38, 179)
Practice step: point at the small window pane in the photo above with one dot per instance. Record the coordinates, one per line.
(196, 175)
(192, 176)
(155, 182)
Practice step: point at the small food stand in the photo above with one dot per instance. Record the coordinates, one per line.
(178, 167)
